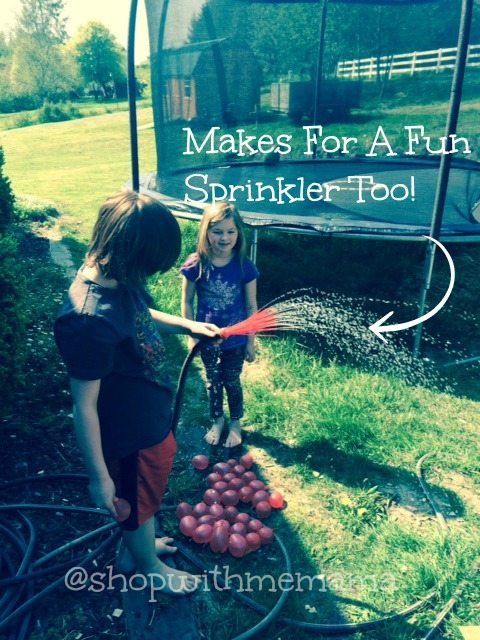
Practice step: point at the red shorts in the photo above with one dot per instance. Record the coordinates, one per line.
(141, 478)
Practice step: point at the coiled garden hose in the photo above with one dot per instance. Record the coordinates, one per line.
(20, 583)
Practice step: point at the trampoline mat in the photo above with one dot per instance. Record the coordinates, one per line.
(380, 197)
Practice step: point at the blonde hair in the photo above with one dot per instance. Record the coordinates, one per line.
(213, 214)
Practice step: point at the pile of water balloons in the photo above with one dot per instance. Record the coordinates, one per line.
(217, 520)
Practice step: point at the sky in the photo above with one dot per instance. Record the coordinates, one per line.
(113, 13)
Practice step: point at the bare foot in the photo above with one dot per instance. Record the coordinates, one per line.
(213, 434)
(234, 437)
(165, 579)
(126, 563)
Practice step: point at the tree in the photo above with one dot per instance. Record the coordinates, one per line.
(99, 57)
(40, 65)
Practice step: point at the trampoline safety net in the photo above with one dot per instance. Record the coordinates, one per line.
(251, 105)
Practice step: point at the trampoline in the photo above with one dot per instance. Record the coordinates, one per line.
(351, 210)
(210, 67)
(213, 64)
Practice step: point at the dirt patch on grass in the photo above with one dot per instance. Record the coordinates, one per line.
(465, 488)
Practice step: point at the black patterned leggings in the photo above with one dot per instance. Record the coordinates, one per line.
(223, 369)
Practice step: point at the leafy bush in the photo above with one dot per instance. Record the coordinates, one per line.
(13, 295)
(11, 103)
(6, 197)
(58, 112)
(29, 209)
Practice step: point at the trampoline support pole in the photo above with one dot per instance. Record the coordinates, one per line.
(254, 246)
(132, 95)
(319, 69)
(445, 161)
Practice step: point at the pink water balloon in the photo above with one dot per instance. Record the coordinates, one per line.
(200, 462)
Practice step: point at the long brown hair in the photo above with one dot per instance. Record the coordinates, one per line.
(134, 237)
(212, 214)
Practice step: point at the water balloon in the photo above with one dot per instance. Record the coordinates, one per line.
(266, 534)
(254, 541)
(220, 486)
(183, 509)
(230, 513)
(122, 508)
(247, 461)
(239, 527)
(188, 524)
(229, 497)
(255, 525)
(200, 509)
(200, 462)
(242, 517)
(237, 545)
(235, 484)
(239, 470)
(263, 509)
(256, 485)
(216, 510)
(245, 494)
(212, 478)
(219, 540)
(276, 500)
(210, 496)
(202, 533)
(259, 496)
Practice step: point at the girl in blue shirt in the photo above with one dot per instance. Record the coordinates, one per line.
(224, 281)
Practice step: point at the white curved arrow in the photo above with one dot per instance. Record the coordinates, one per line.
(378, 327)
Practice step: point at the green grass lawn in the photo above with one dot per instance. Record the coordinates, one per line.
(341, 443)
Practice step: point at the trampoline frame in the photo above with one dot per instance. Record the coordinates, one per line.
(445, 161)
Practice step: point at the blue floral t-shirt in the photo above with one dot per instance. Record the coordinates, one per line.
(221, 293)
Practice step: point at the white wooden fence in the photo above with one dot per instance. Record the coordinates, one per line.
(410, 63)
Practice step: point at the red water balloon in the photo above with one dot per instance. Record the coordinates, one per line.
(232, 462)
(239, 470)
(259, 496)
(248, 476)
(216, 510)
(228, 477)
(257, 485)
(237, 545)
(276, 500)
(254, 541)
(200, 509)
(266, 534)
(247, 460)
(183, 509)
(239, 527)
(208, 519)
(242, 517)
(212, 478)
(230, 513)
(122, 508)
(222, 523)
(255, 525)
(210, 496)
(200, 462)
(203, 533)
(263, 509)
(245, 494)
(220, 486)
(229, 497)
(221, 467)
(235, 484)
(188, 524)
(219, 540)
